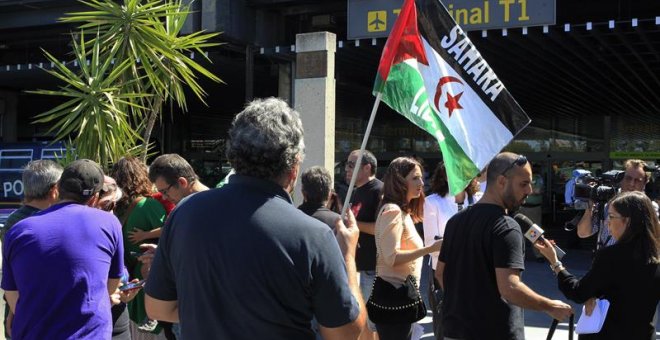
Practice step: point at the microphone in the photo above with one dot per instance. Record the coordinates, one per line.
(533, 232)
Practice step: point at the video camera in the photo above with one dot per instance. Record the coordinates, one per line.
(653, 169)
(598, 189)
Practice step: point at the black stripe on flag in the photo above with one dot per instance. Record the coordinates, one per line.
(434, 24)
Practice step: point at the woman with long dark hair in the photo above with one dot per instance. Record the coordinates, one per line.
(399, 247)
(627, 273)
(438, 208)
(141, 217)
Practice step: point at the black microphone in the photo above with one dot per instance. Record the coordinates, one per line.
(533, 232)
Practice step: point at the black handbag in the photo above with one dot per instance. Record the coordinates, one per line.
(390, 305)
(436, 297)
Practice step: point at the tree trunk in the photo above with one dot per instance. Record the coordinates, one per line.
(154, 113)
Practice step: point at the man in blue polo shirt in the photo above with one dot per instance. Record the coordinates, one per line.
(65, 261)
(241, 262)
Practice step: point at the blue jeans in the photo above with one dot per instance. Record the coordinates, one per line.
(176, 329)
(367, 278)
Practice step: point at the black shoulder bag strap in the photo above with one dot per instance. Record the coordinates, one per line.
(127, 213)
(553, 327)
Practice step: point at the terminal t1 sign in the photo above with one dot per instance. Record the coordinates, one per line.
(375, 18)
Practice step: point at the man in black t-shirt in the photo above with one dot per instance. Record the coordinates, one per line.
(482, 258)
(364, 204)
(316, 190)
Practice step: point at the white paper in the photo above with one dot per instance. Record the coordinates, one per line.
(589, 324)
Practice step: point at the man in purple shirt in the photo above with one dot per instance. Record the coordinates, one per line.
(65, 261)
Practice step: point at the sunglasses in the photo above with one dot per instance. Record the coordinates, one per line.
(520, 161)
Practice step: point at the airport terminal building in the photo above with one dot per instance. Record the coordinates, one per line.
(586, 72)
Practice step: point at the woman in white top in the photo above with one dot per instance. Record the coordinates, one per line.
(400, 248)
(438, 208)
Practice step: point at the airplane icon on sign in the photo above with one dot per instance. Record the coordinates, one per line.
(375, 23)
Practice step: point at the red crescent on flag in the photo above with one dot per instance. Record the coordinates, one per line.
(438, 90)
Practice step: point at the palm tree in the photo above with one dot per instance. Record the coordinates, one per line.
(139, 61)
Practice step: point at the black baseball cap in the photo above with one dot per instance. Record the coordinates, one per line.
(82, 177)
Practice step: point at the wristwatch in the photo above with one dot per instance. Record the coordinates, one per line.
(556, 265)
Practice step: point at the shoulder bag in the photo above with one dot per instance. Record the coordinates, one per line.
(390, 305)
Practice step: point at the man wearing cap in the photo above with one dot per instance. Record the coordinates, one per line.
(65, 261)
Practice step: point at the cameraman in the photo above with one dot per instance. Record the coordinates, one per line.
(635, 179)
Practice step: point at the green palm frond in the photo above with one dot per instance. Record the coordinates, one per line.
(138, 60)
(95, 115)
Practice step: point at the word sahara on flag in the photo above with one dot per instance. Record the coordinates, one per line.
(432, 74)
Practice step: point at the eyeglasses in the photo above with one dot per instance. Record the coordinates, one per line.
(629, 178)
(350, 165)
(164, 191)
(520, 161)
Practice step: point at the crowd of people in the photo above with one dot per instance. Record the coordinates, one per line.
(87, 221)
(242, 262)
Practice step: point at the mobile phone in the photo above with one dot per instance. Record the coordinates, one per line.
(136, 254)
(133, 285)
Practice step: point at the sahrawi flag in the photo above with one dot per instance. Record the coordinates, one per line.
(432, 74)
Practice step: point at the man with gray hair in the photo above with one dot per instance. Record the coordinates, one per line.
(316, 191)
(241, 262)
(61, 265)
(39, 190)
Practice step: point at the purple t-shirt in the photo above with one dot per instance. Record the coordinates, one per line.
(60, 260)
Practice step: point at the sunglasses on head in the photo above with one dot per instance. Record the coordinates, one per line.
(520, 161)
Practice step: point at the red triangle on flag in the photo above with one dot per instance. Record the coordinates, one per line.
(404, 41)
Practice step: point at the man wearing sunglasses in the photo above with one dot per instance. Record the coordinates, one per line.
(634, 179)
(482, 259)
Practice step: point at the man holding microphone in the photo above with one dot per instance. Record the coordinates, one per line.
(481, 261)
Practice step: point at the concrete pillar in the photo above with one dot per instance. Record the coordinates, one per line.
(314, 98)
(285, 77)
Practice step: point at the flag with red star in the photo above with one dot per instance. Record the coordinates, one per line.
(432, 74)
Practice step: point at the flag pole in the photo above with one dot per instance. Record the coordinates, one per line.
(358, 162)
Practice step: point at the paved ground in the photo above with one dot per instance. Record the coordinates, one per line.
(539, 277)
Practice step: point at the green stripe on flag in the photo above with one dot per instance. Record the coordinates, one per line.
(404, 92)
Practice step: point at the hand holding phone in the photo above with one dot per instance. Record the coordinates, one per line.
(132, 285)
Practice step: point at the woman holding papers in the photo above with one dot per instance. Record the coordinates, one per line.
(399, 247)
(627, 273)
